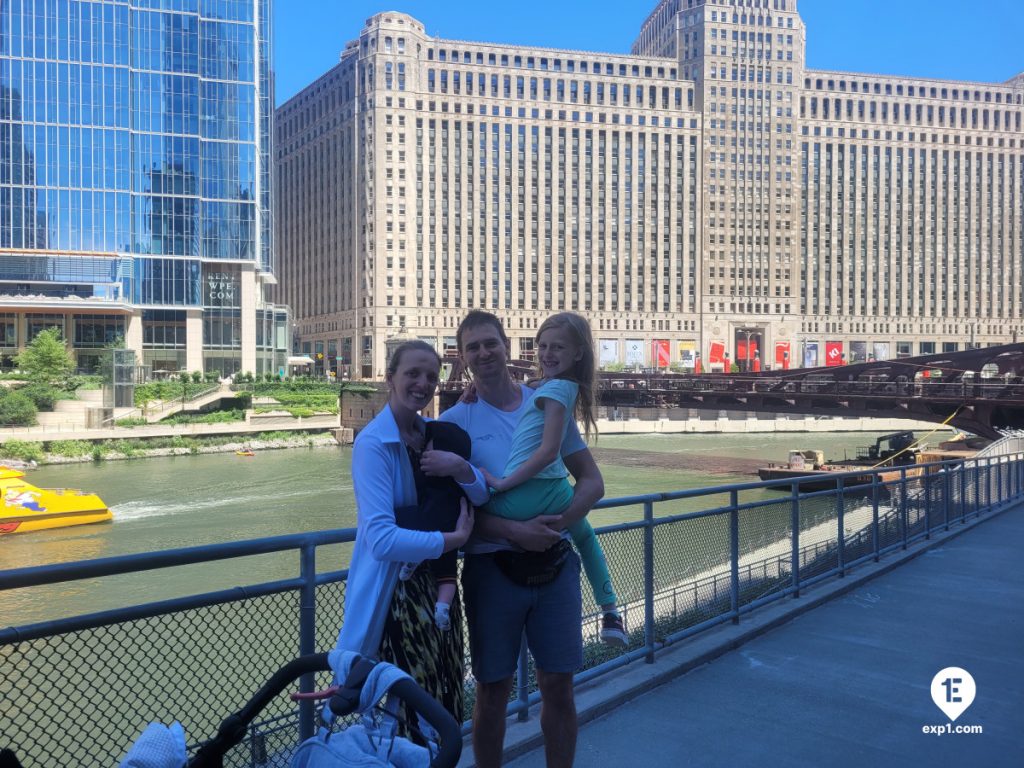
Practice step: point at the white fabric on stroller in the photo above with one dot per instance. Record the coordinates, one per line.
(365, 744)
(159, 746)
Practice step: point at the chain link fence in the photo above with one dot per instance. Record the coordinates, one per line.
(77, 691)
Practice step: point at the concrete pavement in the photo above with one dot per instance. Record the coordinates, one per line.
(838, 677)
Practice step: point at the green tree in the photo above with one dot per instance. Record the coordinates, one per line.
(47, 359)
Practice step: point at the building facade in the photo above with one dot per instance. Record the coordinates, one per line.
(706, 194)
(135, 181)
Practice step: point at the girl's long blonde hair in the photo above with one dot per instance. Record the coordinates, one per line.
(584, 373)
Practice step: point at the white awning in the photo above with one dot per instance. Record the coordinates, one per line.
(300, 360)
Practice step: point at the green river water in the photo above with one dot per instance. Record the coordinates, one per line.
(165, 503)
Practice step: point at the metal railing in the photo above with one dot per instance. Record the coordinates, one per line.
(77, 690)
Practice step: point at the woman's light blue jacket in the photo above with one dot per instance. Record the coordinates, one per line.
(383, 480)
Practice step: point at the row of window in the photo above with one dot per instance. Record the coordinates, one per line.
(558, 89)
(918, 114)
(554, 64)
(920, 91)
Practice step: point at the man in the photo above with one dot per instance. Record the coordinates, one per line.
(499, 610)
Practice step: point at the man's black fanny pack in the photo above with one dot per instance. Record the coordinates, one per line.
(533, 569)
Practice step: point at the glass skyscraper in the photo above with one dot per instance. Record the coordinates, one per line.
(135, 180)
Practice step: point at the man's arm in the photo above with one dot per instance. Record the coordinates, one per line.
(539, 533)
(533, 535)
(588, 490)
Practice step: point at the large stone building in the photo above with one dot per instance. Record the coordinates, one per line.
(135, 181)
(706, 193)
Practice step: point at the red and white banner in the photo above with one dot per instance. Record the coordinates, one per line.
(662, 356)
(833, 353)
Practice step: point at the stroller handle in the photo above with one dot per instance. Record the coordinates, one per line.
(448, 730)
(232, 729)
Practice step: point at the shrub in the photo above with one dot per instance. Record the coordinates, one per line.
(17, 410)
(132, 421)
(72, 448)
(213, 417)
(98, 452)
(43, 395)
(87, 382)
(23, 450)
(197, 377)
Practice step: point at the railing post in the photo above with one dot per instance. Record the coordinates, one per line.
(977, 486)
(875, 544)
(963, 491)
(904, 516)
(947, 491)
(840, 516)
(649, 580)
(795, 553)
(523, 682)
(926, 486)
(307, 634)
(999, 479)
(734, 555)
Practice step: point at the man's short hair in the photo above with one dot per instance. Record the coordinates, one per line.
(475, 319)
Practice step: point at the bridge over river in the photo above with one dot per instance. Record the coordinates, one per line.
(977, 390)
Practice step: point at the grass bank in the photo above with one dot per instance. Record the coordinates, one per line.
(77, 451)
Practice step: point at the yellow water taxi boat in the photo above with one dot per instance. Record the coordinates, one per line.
(27, 508)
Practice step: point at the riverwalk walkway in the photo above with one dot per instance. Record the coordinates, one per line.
(837, 677)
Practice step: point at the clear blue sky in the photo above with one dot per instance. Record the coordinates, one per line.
(950, 39)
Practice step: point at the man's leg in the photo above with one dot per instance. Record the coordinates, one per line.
(496, 611)
(489, 722)
(557, 718)
(555, 637)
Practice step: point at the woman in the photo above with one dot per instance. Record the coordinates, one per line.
(382, 472)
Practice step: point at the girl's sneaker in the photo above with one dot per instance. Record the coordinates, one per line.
(613, 632)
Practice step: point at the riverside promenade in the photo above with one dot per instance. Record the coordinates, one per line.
(839, 676)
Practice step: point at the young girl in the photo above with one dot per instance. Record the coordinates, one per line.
(535, 480)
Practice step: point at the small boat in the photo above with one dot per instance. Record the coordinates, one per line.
(890, 452)
(245, 453)
(28, 508)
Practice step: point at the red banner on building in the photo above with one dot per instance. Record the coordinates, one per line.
(782, 356)
(662, 356)
(833, 353)
(716, 352)
(743, 352)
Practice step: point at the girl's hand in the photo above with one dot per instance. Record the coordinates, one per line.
(442, 464)
(468, 393)
(497, 483)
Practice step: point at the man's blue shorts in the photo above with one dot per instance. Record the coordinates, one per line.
(499, 610)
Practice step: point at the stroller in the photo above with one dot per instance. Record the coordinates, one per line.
(344, 700)
(364, 682)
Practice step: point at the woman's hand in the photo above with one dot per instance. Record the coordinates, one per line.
(445, 464)
(463, 527)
